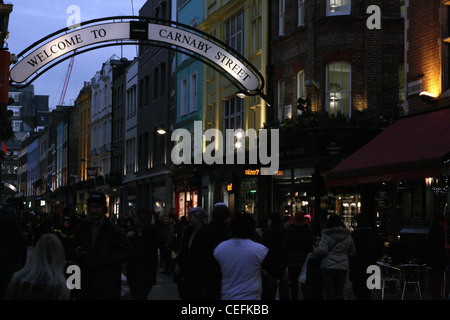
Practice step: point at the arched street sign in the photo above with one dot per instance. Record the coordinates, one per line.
(65, 43)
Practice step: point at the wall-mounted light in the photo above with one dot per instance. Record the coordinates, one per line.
(161, 130)
(427, 97)
(241, 94)
(428, 182)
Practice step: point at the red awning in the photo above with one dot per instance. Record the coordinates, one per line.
(412, 148)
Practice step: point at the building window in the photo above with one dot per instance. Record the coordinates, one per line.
(193, 93)
(234, 33)
(156, 84)
(281, 11)
(280, 99)
(158, 148)
(257, 25)
(16, 125)
(338, 7)
(301, 89)
(401, 85)
(184, 97)
(301, 12)
(338, 90)
(211, 116)
(233, 113)
(402, 8)
(288, 112)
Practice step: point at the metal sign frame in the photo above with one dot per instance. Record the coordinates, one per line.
(131, 30)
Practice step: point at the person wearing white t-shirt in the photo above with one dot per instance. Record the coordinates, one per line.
(241, 261)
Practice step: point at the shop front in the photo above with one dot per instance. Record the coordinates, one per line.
(305, 157)
(402, 174)
(186, 188)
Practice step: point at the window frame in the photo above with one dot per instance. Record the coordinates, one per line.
(281, 16)
(236, 38)
(233, 115)
(301, 12)
(281, 95)
(257, 25)
(341, 91)
(339, 13)
(193, 94)
(183, 96)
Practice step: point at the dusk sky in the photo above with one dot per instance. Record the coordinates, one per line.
(32, 20)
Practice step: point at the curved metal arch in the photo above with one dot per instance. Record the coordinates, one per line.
(155, 21)
(105, 45)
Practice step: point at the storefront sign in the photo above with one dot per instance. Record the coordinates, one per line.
(415, 87)
(92, 172)
(250, 172)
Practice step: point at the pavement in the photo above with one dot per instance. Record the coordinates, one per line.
(165, 288)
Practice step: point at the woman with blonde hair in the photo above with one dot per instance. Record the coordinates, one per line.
(42, 277)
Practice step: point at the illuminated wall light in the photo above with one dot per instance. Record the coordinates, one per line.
(428, 181)
(427, 97)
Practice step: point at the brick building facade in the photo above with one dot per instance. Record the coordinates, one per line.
(375, 56)
(329, 56)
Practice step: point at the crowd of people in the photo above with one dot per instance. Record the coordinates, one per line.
(217, 256)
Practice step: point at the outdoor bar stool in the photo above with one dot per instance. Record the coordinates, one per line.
(411, 274)
(389, 274)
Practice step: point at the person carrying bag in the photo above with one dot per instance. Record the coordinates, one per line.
(335, 247)
(310, 277)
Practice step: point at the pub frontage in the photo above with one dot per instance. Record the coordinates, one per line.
(402, 175)
(306, 155)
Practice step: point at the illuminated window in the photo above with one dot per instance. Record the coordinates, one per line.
(338, 90)
(233, 113)
(301, 89)
(338, 7)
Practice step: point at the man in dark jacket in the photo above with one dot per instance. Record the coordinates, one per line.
(272, 237)
(369, 248)
(218, 231)
(13, 245)
(298, 241)
(142, 265)
(100, 250)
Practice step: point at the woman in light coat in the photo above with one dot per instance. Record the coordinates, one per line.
(336, 246)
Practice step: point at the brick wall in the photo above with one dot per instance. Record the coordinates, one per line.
(424, 49)
(375, 55)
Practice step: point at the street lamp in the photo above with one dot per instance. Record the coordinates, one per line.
(243, 94)
(161, 130)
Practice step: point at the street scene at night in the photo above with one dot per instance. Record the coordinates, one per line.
(199, 151)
